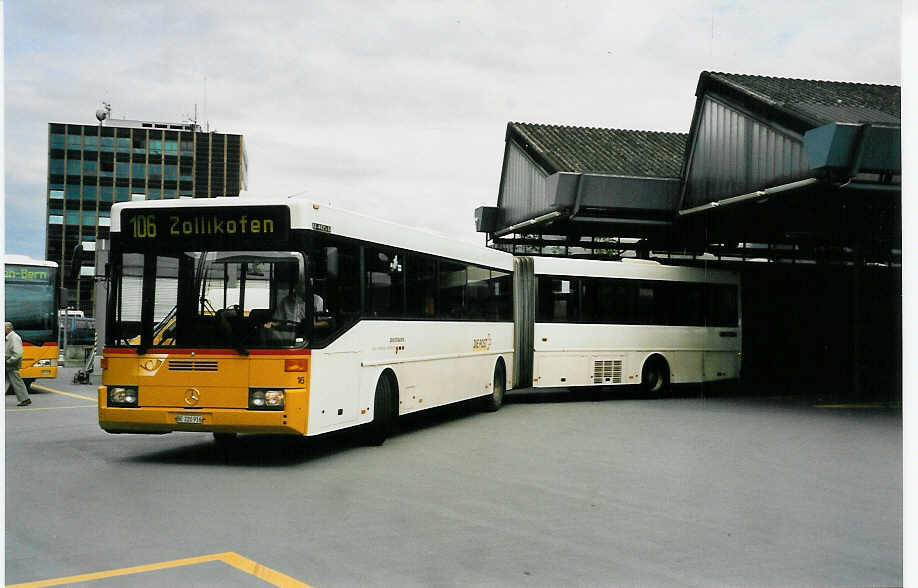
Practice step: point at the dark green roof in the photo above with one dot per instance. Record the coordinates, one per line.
(607, 151)
(817, 102)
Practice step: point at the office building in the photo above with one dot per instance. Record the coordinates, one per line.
(90, 167)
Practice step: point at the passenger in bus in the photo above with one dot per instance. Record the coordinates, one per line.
(13, 356)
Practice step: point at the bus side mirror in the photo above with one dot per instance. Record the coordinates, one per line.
(331, 263)
(75, 262)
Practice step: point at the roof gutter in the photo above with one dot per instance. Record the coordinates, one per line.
(750, 196)
(527, 223)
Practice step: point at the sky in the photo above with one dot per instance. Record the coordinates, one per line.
(399, 109)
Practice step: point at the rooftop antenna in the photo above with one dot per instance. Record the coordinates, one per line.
(205, 104)
(193, 119)
(104, 113)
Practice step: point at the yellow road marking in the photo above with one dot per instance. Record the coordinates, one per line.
(259, 571)
(235, 560)
(33, 408)
(47, 389)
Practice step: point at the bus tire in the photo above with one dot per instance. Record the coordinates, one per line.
(495, 400)
(383, 415)
(655, 375)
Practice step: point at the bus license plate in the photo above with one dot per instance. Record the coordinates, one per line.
(194, 419)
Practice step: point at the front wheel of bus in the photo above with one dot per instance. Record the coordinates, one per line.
(379, 429)
(495, 400)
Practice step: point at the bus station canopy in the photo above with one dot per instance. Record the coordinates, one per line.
(803, 165)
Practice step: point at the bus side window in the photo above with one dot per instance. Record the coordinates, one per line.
(453, 278)
(385, 285)
(421, 286)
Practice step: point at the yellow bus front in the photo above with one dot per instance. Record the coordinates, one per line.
(266, 391)
(206, 325)
(39, 361)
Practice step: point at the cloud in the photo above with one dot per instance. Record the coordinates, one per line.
(399, 109)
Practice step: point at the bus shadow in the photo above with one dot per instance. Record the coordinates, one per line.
(284, 450)
(608, 393)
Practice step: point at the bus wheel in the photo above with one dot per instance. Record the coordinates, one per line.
(495, 400)
(655, 375)
(379, 429)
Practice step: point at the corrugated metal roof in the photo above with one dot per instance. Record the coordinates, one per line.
(818, 101)
(608, 151)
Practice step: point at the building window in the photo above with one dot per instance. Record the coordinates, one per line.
(171, 147)
(106, 194)
(89, 193)
(123, 169)
(90, 166)
(123, 194)
(138, 196)
(72, 217)
(58, 140)
(73, 142)
(57, 166)
(105, 221)
(138, 170)
(57, 194)
(90, 141)
(74, 166)
(156, 147)
(55, 219)
(72, 191)
(124, 144)
(156, 172)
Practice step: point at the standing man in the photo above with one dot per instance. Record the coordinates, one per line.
(13, 363)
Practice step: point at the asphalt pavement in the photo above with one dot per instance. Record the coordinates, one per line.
(552, 490)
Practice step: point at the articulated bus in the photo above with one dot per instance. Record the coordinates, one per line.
(240, 316)
(385, 320)
(603, 323)
(30, 290)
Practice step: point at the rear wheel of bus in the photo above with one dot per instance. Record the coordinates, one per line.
(495, 400)
(655, 375)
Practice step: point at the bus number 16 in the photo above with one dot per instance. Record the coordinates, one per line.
(144, 226)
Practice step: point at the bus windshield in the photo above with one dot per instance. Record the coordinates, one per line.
(30, 303)
(211, 299)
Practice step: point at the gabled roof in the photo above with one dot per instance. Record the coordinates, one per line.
(604, 151)
(812, 103)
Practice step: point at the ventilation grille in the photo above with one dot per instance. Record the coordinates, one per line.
(192, 365)
(607, 372)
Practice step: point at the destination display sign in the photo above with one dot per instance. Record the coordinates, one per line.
(28, 273)
(147, 227)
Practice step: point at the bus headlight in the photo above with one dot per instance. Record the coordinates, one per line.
(45, 363)
(122, 396)
(266, 399)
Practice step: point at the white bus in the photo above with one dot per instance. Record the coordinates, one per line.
(385, 320)
(602, 323)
